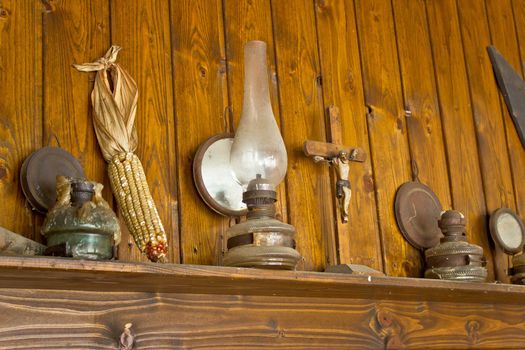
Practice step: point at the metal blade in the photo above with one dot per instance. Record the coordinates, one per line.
(512, 87)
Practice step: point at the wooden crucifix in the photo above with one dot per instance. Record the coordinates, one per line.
(338, 156)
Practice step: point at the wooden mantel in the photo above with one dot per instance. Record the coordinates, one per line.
(83, 275)
(68, 304)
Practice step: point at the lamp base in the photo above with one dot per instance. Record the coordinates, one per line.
(273, 257)
(261, 242)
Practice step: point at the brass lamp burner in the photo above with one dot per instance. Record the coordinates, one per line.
(261, 241)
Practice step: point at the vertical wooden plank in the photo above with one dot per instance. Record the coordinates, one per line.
(490, 128)
(518, 7)
(458, 125)
(143, 30)
(20, 106)
(387, 129)
(358, 239)
(74, 32)
(504, 37)
(309, 194)
(420, 96)
(200, 100)
(245, 21)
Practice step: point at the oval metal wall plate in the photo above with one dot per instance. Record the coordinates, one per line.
(417, 211)
(507, 230)
(213, 177)
(38, 175)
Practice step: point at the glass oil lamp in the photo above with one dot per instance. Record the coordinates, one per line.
(258, 161)
(454, 258)
(80, 224)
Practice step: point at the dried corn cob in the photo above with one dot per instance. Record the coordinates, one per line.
(115, 106)
(133, 197)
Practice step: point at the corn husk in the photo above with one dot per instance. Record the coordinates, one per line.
(114, 100)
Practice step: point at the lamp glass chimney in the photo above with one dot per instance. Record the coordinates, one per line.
(258, 149)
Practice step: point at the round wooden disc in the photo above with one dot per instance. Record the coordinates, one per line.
(507, 230)
(38, 175)
(418, 210)
(214, 179)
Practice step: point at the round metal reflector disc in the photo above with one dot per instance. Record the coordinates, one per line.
(418, 210)
(38, 175)
(507, 230)
(213, 177)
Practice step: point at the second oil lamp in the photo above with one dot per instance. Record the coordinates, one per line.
(258, 161)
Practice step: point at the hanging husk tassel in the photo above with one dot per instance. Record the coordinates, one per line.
(115, 106)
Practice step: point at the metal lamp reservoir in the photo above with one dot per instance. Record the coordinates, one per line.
(258, 161)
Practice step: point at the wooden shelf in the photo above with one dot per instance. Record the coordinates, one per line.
(67, 303)
(68, 274)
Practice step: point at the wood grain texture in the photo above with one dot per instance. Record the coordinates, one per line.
(187, 58)
(309, 205)
(490, 128)
(20, 107)
(200, 99)
(458, 124)
(143, 30)
(68, 274)
(387, 129)
(46, 319)
(420, 97)
(245, 21)
(504, 37)
(74, 32)
(518, 7)
(358, 240)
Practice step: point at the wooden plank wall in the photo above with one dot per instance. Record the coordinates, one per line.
(411, 78)
(48, 319)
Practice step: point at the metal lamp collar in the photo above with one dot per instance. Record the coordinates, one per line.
(259, 183)
(260, 198)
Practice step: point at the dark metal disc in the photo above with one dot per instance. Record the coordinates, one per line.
(38, 175)
(418, 210)
(507, 230)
